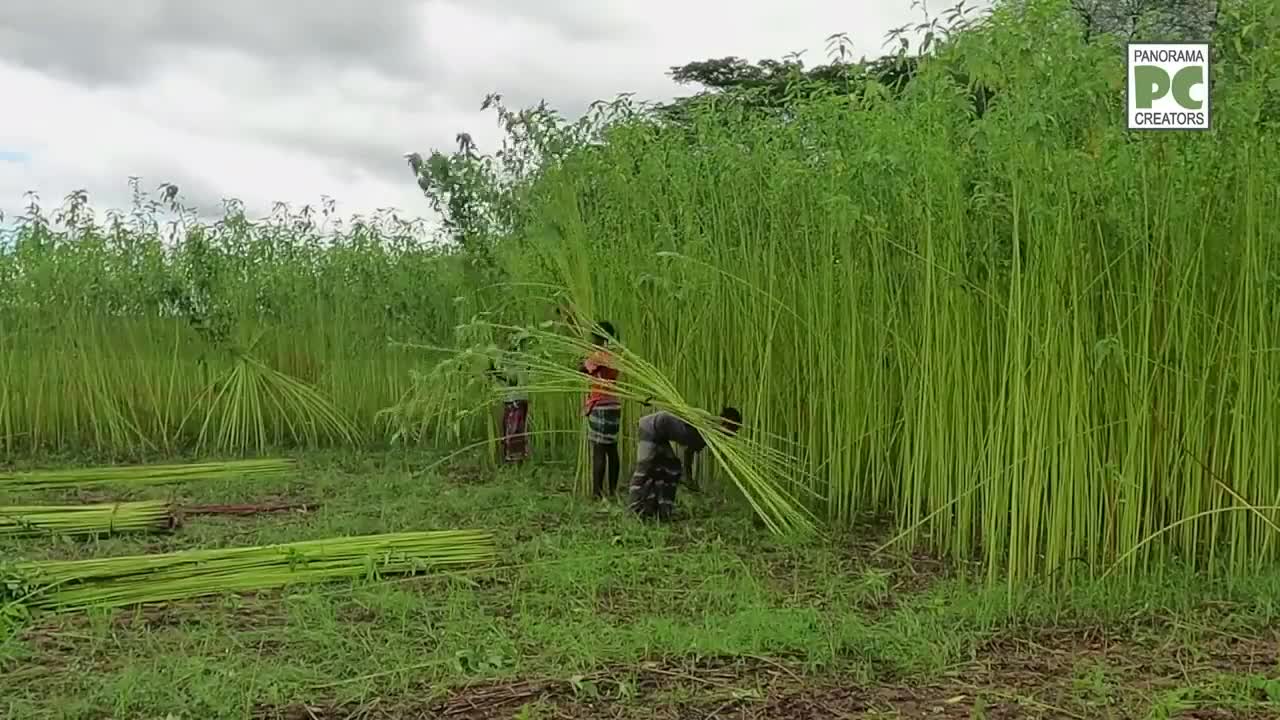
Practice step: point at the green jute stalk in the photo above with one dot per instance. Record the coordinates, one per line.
(65, 586)
(765, 475)
(144, 474)
(98, 519)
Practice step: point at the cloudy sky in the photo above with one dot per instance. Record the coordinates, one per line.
(292, 100)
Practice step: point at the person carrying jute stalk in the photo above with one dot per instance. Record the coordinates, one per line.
(603, 410)
(515, 407)
(658, 471)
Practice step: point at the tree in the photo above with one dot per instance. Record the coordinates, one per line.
(1148, 19)
(771, 85)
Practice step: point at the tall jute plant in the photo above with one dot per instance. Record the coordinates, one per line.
(977, 305)
(115, 331)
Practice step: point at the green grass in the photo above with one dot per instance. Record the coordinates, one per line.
(598, 608)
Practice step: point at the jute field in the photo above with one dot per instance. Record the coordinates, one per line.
(1010, 377)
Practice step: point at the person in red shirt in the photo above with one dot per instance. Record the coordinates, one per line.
(603, 410)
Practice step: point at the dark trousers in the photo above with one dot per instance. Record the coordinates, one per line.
(604, 462)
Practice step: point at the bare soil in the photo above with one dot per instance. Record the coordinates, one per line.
(1015, 678)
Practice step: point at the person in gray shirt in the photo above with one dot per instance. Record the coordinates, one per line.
(658, 471)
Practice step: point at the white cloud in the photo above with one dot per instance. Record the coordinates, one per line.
(236, 120)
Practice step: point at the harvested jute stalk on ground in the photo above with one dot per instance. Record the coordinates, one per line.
(122, 581)
(144, 474)
(99, 519)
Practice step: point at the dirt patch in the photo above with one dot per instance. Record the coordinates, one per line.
(883, 582)
(676, 697)
(594, 695)
(468, 474)
(55, 643)
(243, 509)
(1043, 677)
(252, 612)
(1075, 672)
(1128, 651)
(620, 604)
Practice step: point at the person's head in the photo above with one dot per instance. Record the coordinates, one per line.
(730, 420)
(604, 334)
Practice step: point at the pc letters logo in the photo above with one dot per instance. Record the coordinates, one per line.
(1168, 86)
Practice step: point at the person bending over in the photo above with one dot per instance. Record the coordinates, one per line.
(658, 471)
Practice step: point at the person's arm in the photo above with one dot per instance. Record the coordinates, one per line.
(690, 455)
(691, 440)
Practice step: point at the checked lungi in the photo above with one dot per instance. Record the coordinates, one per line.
(654, 483)
(604, 421)
(515, 436)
